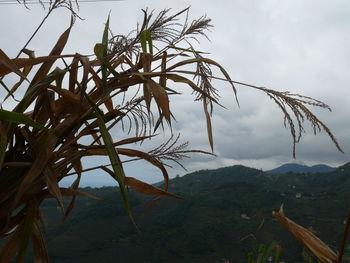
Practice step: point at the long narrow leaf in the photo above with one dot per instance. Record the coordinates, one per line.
(26, 71)
(31, 93)
(133, 153)
(8, 63)
(148, 189)
(66, 192)
(101, 53)
(45, 152)
(307, 238)
(56, 51)
(52, 185)
(161, 97)
(209, 127)
(27, 232)
(117, 166)
(148, 36)
(78, 169)
(143, 41)
(28, 62)
(39, 247)
(147, 157)
(19, 118)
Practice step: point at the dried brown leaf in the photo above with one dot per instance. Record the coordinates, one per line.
(56, 51)
(78, 169)
(67, 192)
(209, 128)
(9, 250)
(41, 160)
(134, 153)
(52, 185)
(73, 74)
(109, 104)
(148, 158)
(307, 238)
(39, 247)
(161, 97)
(27, 62)
(133, 140)
(162, 78)
(177, 78)
(6, 62)
(147, 189)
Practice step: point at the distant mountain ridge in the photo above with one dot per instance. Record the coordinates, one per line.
(299, 168)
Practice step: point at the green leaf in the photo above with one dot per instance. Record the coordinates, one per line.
(19, 118)
(146, 37)
(59, 75)
(98, 50)
(104, 52)
(143, 42)
(101, 52)
(34, 90)
(28, 98)
(105, 37)
(149, 40)
(119, 174)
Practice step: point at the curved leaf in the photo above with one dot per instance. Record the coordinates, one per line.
(147, 189)
(56, 51)
(6, 62)
(307, 238)
(39, 247)
(28, 62)
(19, 118)
(148, 158)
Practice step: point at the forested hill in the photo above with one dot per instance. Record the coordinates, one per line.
(225, 214)
(298, 168)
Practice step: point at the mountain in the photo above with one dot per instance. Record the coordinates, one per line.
(225, 214)
(298, 168)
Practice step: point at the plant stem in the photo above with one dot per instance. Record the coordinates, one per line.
(35, 32)
(345, 236)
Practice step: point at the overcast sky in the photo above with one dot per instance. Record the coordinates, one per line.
(298, 46)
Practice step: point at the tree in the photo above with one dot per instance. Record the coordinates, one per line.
(42, 139)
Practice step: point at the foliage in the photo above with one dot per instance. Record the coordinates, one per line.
(205, 227)
(266, 254)
(45, 136)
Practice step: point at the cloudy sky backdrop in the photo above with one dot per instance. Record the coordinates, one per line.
(298, 46)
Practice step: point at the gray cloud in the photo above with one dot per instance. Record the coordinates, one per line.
(299, 46)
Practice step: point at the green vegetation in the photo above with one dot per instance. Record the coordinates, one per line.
(226, 214)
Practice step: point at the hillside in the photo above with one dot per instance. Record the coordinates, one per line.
(298, 168)
(222, 211)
